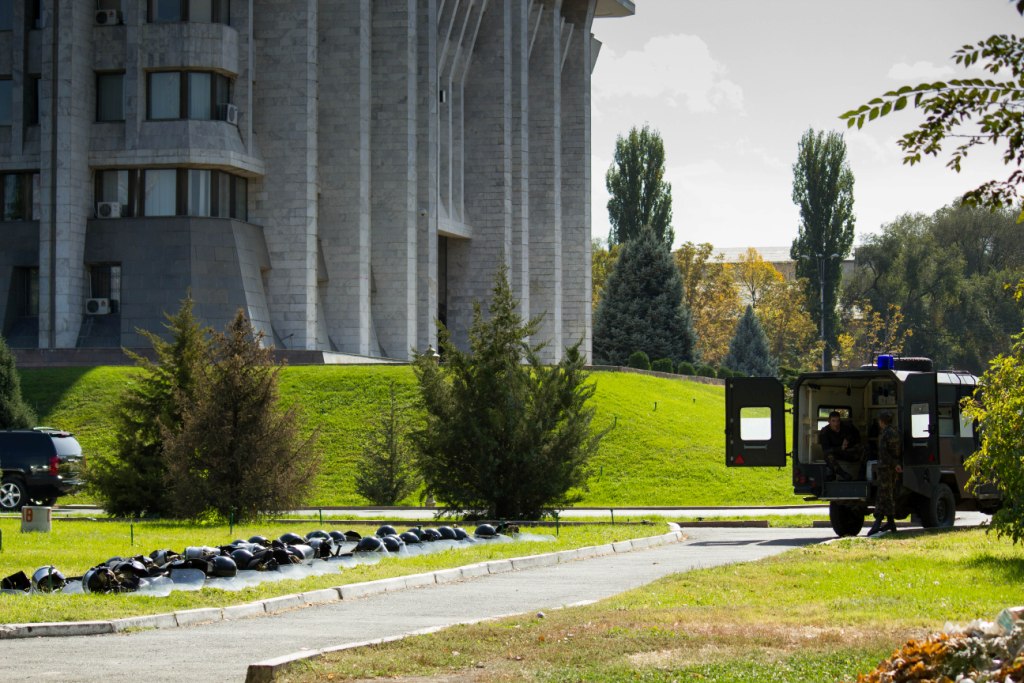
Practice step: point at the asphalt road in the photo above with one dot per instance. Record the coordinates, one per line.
(222, 651)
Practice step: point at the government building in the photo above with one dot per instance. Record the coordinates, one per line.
(346, 172)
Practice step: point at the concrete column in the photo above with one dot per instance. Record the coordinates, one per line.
(546, 178)
(344, 154)
(394, 175)
(427, 176)
(519, 261)
(285, 116)
(576, 176)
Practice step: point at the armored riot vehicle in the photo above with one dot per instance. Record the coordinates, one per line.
(925, 406)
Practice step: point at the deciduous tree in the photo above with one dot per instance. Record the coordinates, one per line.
(639, 194)
(711, 296)
(603, 260)
(792, 336)
(755, 276)
(867, 333)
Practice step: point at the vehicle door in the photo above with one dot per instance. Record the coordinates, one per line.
(919, 421)
(755, 422)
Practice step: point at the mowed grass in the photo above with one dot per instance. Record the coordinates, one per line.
(666, 447)
(76, 546)
(820, 613)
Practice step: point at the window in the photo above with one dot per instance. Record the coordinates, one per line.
(920, 425)
(31, 100)
(18, 201)
(187, 94)
(160, 195)
(966, 426)
(105, 283)
(6, 15)
(200, 11)
(755, 423)
(844, 414)
(174, 192)
(6, 89)
(110, 97)
(946, 420)
(26, 292)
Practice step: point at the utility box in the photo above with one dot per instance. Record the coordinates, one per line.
(36, 518)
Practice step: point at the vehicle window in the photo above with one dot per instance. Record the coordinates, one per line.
(966, 426)
(919, 421)
(845, 413)
(67, 445)
(946, 420)
(755, 423)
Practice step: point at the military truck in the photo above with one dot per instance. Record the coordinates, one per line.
(925, 406)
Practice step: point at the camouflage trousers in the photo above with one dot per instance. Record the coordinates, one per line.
(885, 502)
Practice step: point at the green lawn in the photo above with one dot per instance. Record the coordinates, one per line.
(666, 448)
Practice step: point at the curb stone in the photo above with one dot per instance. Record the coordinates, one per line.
(345, 592)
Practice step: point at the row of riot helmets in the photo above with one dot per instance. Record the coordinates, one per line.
(197, 563)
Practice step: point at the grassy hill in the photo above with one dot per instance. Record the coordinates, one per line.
(666, 448)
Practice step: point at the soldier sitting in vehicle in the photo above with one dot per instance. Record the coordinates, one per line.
(840, 442)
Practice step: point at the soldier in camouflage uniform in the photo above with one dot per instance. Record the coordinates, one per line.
(889, 447)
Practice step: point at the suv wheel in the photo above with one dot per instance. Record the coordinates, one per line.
(12, 494)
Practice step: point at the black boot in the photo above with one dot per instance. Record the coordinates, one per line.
(876, 527)
(891, 526)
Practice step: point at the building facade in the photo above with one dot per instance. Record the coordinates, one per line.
(345, 171)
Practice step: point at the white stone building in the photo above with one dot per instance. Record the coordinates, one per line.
(346, 171)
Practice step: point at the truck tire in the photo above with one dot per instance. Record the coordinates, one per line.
(13, 494)
(845, 520)
(938, 511)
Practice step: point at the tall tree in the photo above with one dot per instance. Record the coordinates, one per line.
(748, 351)
(711, 295)
(792, 337)
(867, 333)
(238, 454)
(132, 480)
(643, 307)
(505, 436)
(823, 189)
(755, 276)
(639, 194)
(14, 412)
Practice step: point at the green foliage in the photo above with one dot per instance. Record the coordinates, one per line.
(975, 111)
(706, 371)
(387, 470)
(640, 197)
(663, 365)
(14, 412)
(725, 373)
(639, 360)
(642, 308)
(504, 438)
(997, 405)
(823, 189)
(132, 480)
(237, 454)
(685, 367)
(748, 351)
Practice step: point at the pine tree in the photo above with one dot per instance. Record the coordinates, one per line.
(748, 351)
(387, 469)
(132, 481)
(14, 412)
(642, 308)
(505, 436)
(237, 453)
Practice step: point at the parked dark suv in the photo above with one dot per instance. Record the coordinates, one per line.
(38, 465)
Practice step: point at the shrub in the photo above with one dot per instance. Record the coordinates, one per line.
(387, 470)
(725, 373)
(639, 360)
(686, 368)
(706, 371)
(14, 412)
(662, 365)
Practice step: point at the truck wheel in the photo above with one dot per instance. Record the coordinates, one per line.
(939, 510)
(12, 494)
(845, 520)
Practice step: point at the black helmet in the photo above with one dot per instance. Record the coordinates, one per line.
(48, 579)
(260, 540)
(163, 557)
(446, 532)
(99, 580)
(292, 539)
(242, 557)
(393, 543)
(409, 538)
(416, 530)
(319, 533)
(370, 544)
(460, 534)
(485, 531)
(352, 535)
(387, 530)
(430, 534)
(322, 547)
(303, 552)
(223, 566)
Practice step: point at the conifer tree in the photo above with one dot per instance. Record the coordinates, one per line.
(642, 308)
(387, 469)
(748, 351)
(505, 436)
(14, 412)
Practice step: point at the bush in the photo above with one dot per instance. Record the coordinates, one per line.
(686, 368)
(387, 469)
(725, 373)
(706, 371)
(14, 412)
(639, 360)
(662, 365)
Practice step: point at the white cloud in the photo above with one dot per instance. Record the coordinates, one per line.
(925, 71)
(676, 68)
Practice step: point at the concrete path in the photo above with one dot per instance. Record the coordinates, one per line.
(222, 651)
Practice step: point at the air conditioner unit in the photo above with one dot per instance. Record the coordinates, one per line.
(229, 113)
(108, 210)
(108, 17)
(97, 306)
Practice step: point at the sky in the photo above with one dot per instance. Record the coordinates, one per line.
(731, 85)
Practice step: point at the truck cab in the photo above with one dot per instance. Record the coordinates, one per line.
(925, 406)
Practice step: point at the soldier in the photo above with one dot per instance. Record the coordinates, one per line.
(889, 449)
(839, 440)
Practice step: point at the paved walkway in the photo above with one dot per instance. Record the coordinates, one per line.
(222, 651)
